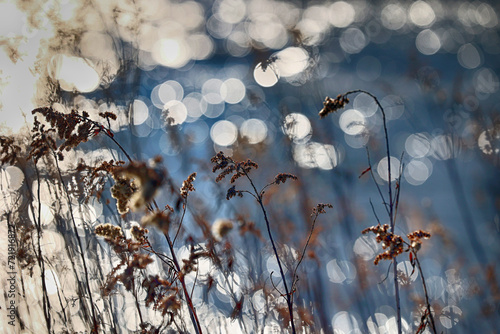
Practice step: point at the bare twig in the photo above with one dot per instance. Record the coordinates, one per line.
(391, 199)
(319, 209)
(192, 310)
(288, 295)
(95, 325)
(427, 303)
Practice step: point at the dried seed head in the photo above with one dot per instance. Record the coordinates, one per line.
(142, 179)
(282, 177)
(332, 105)
(187, 185)
(139, 233)
(122, 191)
(320, 208)
(109, 231)
(392, 243)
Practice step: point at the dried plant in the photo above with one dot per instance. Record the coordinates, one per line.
(392, 243)
(228, 167)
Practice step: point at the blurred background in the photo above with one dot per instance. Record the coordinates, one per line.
(188, 79)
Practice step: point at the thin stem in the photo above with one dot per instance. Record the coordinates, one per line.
(387, 151)
(288, 296)
(92, 305)
(41, 263)
(192, 311)
(374, 212)
(305, 247)
(108, 133)
(396, 293)
(428, 305)
(376, 184)
(391, 200)
(137, 302)
(184, 207)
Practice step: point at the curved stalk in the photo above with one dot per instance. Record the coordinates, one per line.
(288, 295)
(391, 200)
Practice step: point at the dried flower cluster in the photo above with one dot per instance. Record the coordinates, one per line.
(415, 238)
(135, 185)
(41, 141)
(320, 208)
(393, 243)
(131, 259)
(72, 128)
(229, 166)
(137, 261)
(232, 192)
(190, 264)
(109, 231)
(162, 295)
(139, 233)
(282, 177)
(94, 179)
(26, 255)
(187, 185)
(122, 191)
(332, 105)
(9, 151)
(238, 169)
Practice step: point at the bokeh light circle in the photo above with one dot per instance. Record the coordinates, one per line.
(254, 130)
(340, 271)
(74, 73)
(450, 316)
(140, 112)
(468, 56)
(316, 155)
(365, 104)
(172, 52)
(422, 14)
(352, 122)
(428, 42)
(232, 91)
(224, 133)
(418, 145)
(353, 40)
(266, 75)
(382, 169)
(393, 16)
(297, 126)
(177, 111)
(291, 61)
(416, 172)
(341, 14)
(211, 91)
(485, 81)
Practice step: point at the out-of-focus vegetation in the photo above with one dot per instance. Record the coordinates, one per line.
(119, 221)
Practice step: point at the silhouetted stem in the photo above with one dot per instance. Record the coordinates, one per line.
(192, 311)
(85, 270)
(288, 295)
(305, 247)
(38, 224)
(428, 305)
(391, 200)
